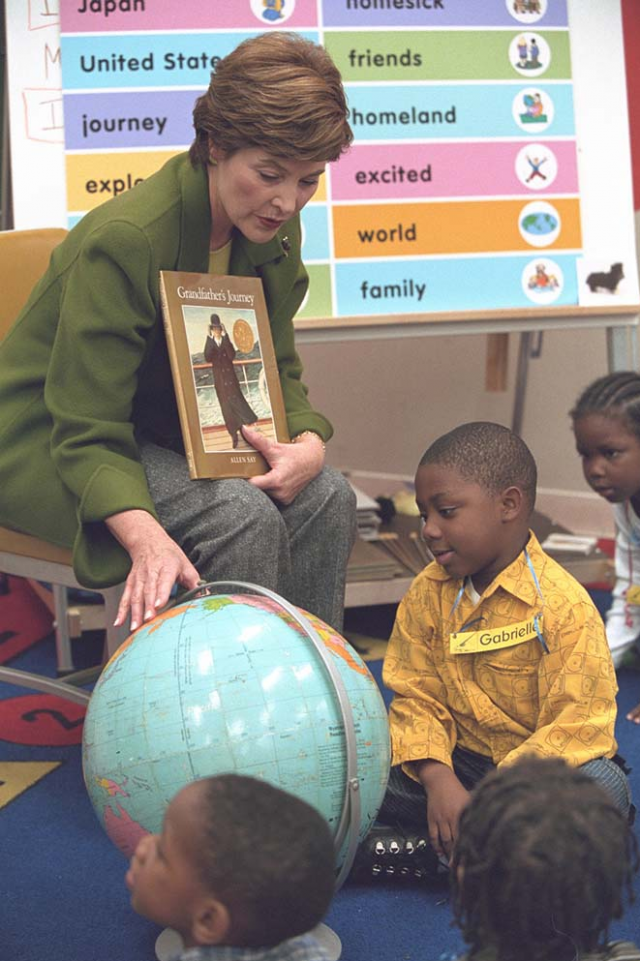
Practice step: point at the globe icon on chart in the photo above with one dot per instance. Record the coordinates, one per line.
(540, 223)
(234, 683)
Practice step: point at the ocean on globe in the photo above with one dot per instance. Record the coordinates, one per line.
(229, 683)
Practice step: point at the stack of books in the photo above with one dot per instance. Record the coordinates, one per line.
(369, 561)
(580, 555)
(561, 543)
(368, 515)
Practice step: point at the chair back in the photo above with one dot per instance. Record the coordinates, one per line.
(24, 257)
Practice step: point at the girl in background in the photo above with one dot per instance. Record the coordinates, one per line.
(606, 423)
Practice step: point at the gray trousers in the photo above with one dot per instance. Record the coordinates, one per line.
(230, 530)
(405, 804)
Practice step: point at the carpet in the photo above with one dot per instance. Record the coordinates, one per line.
(63, 894)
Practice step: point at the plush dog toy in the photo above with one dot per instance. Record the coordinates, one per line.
(606, 279)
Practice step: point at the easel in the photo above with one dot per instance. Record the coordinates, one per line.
(5, 174)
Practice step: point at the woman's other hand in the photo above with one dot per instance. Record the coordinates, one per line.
(293, 466)
(157, 564)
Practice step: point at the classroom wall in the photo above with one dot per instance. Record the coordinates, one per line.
(403, 394)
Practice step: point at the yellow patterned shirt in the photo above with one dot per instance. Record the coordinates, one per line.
(506, 702)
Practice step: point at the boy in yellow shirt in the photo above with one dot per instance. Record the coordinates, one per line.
(496, 653)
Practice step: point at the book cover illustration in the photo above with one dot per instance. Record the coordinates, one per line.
(224, 370)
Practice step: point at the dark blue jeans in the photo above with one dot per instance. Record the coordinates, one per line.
(405, 804)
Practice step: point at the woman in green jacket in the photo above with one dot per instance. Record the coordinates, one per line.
(91, 453)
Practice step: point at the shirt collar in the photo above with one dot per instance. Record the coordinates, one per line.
(260, 254)
(299, 947)
(221, 953)
(516, 579)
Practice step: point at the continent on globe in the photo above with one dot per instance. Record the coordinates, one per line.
(111, 787)
(123, 830)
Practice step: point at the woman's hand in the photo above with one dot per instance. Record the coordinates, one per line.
(157, 564)
(446, 799)
(293, 466)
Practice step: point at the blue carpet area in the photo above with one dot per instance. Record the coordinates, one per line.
(63, 896)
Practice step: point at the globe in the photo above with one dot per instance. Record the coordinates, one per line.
(238, 683)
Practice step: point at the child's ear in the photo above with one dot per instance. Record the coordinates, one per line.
(511, 504)
(211, 922)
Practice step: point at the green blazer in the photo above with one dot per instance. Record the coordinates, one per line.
(85, 366)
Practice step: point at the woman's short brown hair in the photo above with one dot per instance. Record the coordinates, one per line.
(277, 91)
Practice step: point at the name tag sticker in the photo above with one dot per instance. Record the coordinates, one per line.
(633, 595)
(472, 642)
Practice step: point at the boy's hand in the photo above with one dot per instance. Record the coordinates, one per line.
(446, 799)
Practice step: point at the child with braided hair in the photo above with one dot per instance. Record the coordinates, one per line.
(543, 864)
(606, 424)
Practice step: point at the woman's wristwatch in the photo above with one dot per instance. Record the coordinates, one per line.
(308, 433)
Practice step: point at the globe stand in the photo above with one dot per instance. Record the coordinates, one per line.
(329, 941)
(351, 816)
(169, 945)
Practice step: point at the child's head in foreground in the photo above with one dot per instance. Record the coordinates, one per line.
(475, 489)
(606, 423)
(239, 862)
(542, 864)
